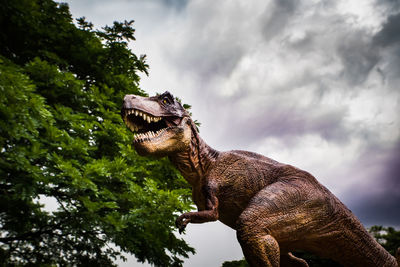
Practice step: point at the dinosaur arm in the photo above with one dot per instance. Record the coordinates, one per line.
(208, 215)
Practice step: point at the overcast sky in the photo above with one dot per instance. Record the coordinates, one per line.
(311, 83)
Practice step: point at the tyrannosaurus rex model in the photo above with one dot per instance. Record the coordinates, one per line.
(275, 208)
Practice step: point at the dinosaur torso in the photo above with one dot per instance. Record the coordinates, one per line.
(239, 176)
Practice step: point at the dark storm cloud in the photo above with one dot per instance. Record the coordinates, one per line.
(390, 33)
(380, 209)
(377, 201)
(388, 41)
(287, 123)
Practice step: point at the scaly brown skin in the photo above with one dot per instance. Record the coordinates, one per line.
(275, 208)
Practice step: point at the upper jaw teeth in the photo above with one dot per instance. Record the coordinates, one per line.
(147, 117)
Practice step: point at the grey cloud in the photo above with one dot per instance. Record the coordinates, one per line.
(207, 60)
(358, 55)
(306, 44)
(177, 4)
(212, 47)
(277, 15)
(393, 5)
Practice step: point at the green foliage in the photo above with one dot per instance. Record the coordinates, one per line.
(240, 263)
(388, 237)
(62, 140)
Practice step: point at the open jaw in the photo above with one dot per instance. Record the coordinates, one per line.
(146, 127)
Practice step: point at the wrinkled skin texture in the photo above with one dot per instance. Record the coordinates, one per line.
(275, 208)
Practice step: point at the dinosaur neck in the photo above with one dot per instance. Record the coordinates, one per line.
(194, 163)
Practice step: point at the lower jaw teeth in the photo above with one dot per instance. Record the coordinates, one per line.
(147, 135)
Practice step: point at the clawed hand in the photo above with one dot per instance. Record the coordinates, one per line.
(181, 222)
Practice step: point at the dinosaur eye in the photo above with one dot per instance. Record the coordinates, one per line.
(166, 100)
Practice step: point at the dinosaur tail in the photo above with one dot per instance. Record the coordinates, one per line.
(398, 256)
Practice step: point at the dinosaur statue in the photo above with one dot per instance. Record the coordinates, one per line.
(275, 208)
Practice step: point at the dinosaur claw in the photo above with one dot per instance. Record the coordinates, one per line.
(181, 230)
(181, 224)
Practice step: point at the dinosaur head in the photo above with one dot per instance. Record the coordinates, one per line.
(161, 126)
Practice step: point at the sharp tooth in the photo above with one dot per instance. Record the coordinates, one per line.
(136, 112)
(144, 117)
(148, 119)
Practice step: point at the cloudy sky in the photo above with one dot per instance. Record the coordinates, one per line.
(312, 83)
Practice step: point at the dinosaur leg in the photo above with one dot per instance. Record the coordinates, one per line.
(290, 260)
(259, 250)
(278, 213)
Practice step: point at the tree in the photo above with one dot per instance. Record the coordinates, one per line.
(62, 140)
